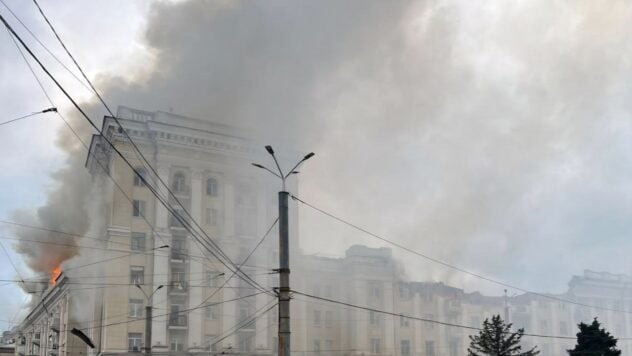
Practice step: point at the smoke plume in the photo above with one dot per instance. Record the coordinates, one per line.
(473, 133)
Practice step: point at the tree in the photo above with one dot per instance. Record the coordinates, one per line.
(497, 339)
(593, 341)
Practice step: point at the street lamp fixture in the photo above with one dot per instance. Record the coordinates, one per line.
(282, 175)
(283, 293)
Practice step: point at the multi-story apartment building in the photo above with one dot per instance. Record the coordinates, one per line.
(207, 167)
(201, 310)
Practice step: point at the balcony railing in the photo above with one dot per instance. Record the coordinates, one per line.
(179, 320)
(178, 287)
(179, 254)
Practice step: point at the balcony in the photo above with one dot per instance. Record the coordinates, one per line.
(178, 321)
(179, 255)
(178, 287)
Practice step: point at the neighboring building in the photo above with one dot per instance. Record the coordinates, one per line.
(207, 166)
(46, 329)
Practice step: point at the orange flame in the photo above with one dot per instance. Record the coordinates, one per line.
(55, 274)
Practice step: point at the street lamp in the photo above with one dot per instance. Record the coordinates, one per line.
(148, 310)
(284, 252)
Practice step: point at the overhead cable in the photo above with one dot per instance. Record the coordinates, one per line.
(449, 265)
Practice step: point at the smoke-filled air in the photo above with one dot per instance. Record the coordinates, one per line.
(471, 159)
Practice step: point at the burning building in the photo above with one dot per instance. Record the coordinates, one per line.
(46, 329)
(147, 256)
(207, 169)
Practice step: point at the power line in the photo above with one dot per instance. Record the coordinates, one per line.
(426, 320)
(199, 257)
(50, 100)
(28, 115)
(67, 245)
(184, 310)
(214, 247)
(44, 46)
(246, 258)
(451, 266)
(11, 261)
(184, 223)
(143, 159)
(244, 322)
(243, 262)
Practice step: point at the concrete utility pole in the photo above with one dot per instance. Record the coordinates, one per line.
(284, 253)
(148, 312)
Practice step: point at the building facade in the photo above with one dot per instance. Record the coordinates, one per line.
(200, 309)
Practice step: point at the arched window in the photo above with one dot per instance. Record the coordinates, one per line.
(140, 172)
(179, 183)
(211, 187)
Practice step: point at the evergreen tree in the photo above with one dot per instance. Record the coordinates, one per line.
(496, 339)
(593, 341)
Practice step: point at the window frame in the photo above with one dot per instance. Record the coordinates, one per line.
(212, 187)
(137, 269)
(134, 238)
(138, 208)
(139, 311)
(138, 337)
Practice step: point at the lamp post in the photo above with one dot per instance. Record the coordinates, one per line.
(284, 252)
(148, 311)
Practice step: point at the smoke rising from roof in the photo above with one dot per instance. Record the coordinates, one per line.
(467, 132)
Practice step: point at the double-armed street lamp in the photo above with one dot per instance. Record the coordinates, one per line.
(148, 312)
(284, 252)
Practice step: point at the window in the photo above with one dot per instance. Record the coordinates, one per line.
(329, 318)
(404, 322)
(328, 291)
(404, 292)
(136, 308)
(211, 187)
(134, 341)
(179, 183)
(454, 347)
(544, 325)
(138, 241)
(177, 343)
(374, 290)
(329, 345)
(317, 318)
(245, 211)
(245, 341)
(212, 217)
(140, 172)
(374, 319)
(430, 348)
(317, 347)
(211, 342)
(138, 208)
(212, 312)
(375, 346)
(405, 348)
(177, 217)
(137, 275)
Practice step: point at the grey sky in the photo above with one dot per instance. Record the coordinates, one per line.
(495, 137)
